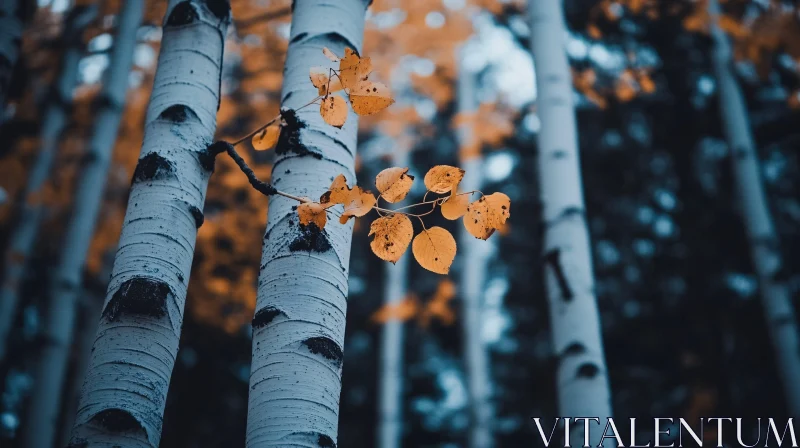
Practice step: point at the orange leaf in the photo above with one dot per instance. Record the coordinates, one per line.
(435, 249)
(370, 98)
(455, 206)
(330, 55)
(443, 178)
(393, 234)
(487, 214)
(394, 183)
(353, 69)
(321, 80)
(267, 138)
(359, 203)
(312, 212)
(334, 110)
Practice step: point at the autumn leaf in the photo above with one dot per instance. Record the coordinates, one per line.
(438, 306)
(267, 138)
(358, 204)
(394, 183)
(353, 69)
(487, 214)
(443, 178)
(330, 55)
(312, 212)
(434, 249)
(338, 192)
(403, 310)
(369, 98)
(393, 234)
(333, 110)
(455, 206)
(320, 78)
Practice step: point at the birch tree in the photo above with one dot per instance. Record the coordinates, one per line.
(10, 40)
(582, 378)
(134, 352)
(54, 120)
(471, 283)
(390, 387)
(298, 328)
(65, 286)
(764, 242)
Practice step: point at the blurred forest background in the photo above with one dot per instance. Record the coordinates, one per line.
(676, 287)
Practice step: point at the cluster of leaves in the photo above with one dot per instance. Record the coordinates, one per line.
(434, 248)
(352, 77)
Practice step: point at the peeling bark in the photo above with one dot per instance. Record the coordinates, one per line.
(390, 376)
(764, 248)
(134, 352)
(295, 385)
(471, 283)
(41, 426)
(32, 209)
(582, 378)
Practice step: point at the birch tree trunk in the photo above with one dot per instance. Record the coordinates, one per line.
(298, 328)
(134, 352)
(390, 388)
(10, 40)
(54, 120)
(472, 280)
(582, 378)
(65, 286)
(764, 242)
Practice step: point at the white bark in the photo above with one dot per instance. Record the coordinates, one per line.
(65, 286)
(298, 329)
(764, 246)
(472, 278)
(390, 387)
(32, 210)
(10, 40)
(582, 378)
(134, 352)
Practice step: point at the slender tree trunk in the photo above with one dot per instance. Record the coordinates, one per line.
(471, 286)
(298, 328)
(764, 242)
(124, 394)
(55, 118)
(390, 388)
(582, 378)
(10, 40)
(65, 286)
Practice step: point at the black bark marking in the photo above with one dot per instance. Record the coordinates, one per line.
(220, 8)
(298, 38)
(117, 421)
(338, 38)
(553, 258)
(588, 371)
(198, 216)
(207, 159)
(153, 167)
(576, 348)
(178, 113)
(311, 238)
(289, 139)
(138, 296)
(264, 316)
(182, 14)
(326, 441)
(326, 347)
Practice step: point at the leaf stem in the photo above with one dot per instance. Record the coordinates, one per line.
(276, 118)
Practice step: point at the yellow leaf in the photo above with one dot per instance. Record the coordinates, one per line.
(402, 310)
(438, 306)
(393, 234)
(435, 249)
(369, 98)
(394, 184)
(320, 78)
(358, 204)
(330, 55)
(487, 214)
(312, 212)
(267, 138)
(455, 206)
(333, 110)
(353, 69)
(443, 178)
(337, 193)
